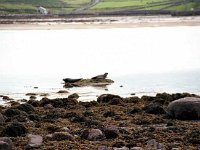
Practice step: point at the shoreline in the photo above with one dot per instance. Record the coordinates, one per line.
(98, 22)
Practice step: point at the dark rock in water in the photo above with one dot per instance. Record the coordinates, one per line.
(11, 112)
(73, 96)
(111, 132)
(6, 98)
(31, 94)
(106, 98)
(187, 108)
(60, 136)
(33, 97)
(14, 129)
(154, 108)
(62, 91)
(35, 141)
(6, 143)
(92, 134)
(135, 110)
(44, 101)
(26, 107)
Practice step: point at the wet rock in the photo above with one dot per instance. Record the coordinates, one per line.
(135, 110)
(11, 112)
(88, 113)
(35, 141)
(44, 101)
(154, 108)
(6, 143)
(6, 98)
(62, 92)
(2, 119)
(88, 104)
(165, 96)
(14, 129)
(103, 148)
(187, 108)
(34, 103)
(122, 148)
(32, 97)
(53, 115)
(111, 132)
(31, 94)
(73, 96)
(106, 98)
(134, 99)
(153, 144)
(118, 144)
(148, 98)
(60, 136)
(26, 107)
(92, 134)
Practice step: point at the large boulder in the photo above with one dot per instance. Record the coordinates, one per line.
(187, 108)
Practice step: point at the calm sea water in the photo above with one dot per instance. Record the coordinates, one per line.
(144, 61)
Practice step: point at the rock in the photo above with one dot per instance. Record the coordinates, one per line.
(6, 143)
(103, 148)
(73, 96)
(122, 148)
(31, 94)
(175, 149)
(34, 103)
(35, 141)
(154, 108)
(133, 99)
(11, 112)
(6, 98)
(62, 91)
(194, 137)
(65, 129)
(187, 108)
(109, 114)
(118, 144)
(2, 119)
(32, 97)
(136, 148)
(106, 98)
(95, 134)
(60, 136)
(15, 129)
(34, 117)
(26, 107)
(153, 144)
(48, 106)
(135, 110)
(116, 101)
(111, 132)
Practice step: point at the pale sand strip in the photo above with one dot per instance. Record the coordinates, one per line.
(102, 22)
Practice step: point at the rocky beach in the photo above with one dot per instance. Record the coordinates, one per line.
(164, 122)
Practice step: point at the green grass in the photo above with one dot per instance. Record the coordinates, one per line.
(186, 7)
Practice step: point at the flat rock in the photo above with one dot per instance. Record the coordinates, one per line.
(95, 134)
(35, 141)
(187, 108)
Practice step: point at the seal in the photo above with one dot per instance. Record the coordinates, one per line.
(69, 80)
(103, 76)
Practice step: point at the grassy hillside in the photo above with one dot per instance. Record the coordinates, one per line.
(69, 6)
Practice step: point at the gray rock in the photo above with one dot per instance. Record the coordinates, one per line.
(175, 149)
(121, 148)
(35, 141)
(5, 143)
(48, 106)
(95, 134)
(102, 148)
(187, 108)
(154, 145)
(111, 132)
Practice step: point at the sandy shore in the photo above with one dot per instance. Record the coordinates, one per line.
(98, 22)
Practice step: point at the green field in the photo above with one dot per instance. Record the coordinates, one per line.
(69, 6)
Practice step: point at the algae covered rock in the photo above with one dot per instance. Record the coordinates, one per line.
(187, 108)
(108, 98)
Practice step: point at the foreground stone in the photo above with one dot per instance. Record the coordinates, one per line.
(187, 108)
(35, 141)
(93, 134)
(5, 143)
(109, 98)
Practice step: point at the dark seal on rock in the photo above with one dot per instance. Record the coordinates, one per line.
(187, 108)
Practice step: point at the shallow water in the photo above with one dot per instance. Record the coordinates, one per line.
(142, 60)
